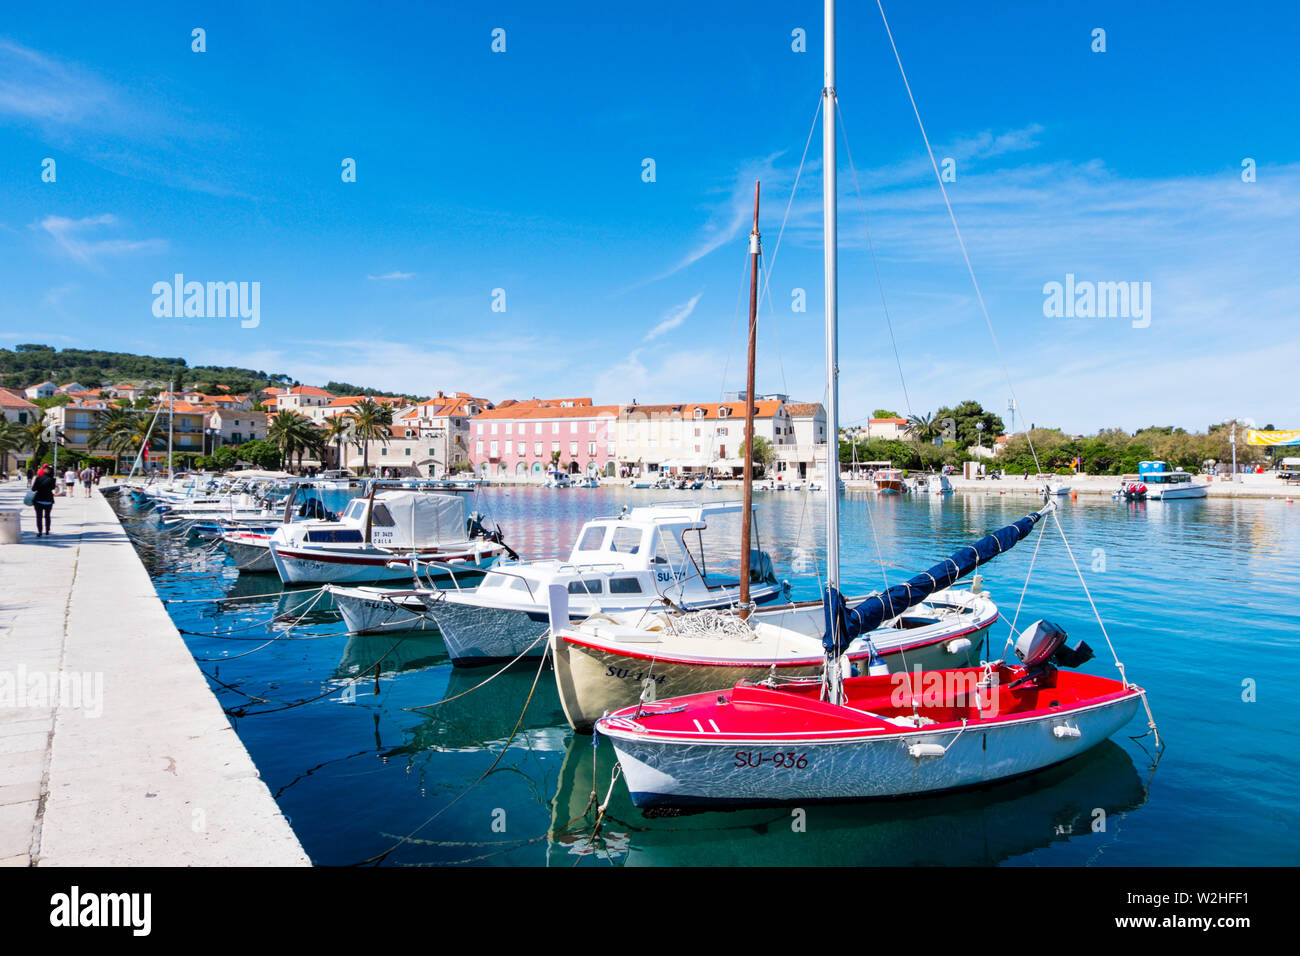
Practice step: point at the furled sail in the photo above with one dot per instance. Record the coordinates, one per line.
(875, 610)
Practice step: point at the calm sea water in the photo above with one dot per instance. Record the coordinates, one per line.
(1201, 598)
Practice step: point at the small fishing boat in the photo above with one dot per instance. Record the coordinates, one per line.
(651, 557)
(890, 481)
(383, 537)
(883, 736)
(933, 485)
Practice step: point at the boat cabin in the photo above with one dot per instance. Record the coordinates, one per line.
(1158, 473)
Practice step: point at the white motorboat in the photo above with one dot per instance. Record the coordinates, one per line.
(651, 557)
(933, 485)
(1165, 485)
(383, 537)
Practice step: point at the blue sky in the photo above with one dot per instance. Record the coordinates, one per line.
(522, 171)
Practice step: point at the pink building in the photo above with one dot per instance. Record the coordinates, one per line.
(521, 439)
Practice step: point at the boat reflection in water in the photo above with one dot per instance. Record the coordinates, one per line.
(387, 655)
(980, 827)
(481, 718)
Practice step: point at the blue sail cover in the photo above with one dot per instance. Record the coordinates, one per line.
(878, 608)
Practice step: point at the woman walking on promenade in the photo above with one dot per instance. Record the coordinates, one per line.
(43, 500)
(69, 480)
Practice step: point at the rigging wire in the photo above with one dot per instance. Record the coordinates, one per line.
(988, 321)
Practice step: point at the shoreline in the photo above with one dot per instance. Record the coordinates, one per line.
(113, 749)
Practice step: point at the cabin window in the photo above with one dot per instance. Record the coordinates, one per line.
(335, 535)
(591, 586)
(380, 517)
(624, 586)
(626, 541)
(354, 510)
(592, 539)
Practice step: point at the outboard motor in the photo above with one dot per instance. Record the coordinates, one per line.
(1041, 648)
(474, 527)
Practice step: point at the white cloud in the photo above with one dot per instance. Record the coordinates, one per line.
(674, 317)
(392, 275)
(37, 88)
(70, 235)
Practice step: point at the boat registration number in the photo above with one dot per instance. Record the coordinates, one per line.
(782, 759)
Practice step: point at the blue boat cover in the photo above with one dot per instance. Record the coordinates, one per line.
(878, 608)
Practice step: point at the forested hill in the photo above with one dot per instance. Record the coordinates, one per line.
(26, 365)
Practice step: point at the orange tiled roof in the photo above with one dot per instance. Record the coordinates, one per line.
(800, 409)
(539, 410)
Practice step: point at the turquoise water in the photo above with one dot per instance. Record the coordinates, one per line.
(1199, 597)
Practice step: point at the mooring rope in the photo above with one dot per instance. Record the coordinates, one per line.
(380, 857)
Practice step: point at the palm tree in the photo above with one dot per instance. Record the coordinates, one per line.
(311, 438)
(12, 437)
(370, 422)
(290, 433)
(336, 432)
(34, 439)
(923, 428)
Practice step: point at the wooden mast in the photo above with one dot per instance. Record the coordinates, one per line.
(747, 520)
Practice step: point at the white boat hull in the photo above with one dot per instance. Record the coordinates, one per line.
(480, 634)
(1157, 493)
(359, 566)
(736, 771)
(250, 556)
(376, 610)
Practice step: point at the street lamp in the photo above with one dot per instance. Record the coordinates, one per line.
(979, 437)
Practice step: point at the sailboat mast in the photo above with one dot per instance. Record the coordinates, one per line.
(830, 240)
(171, 420)
(747, 519)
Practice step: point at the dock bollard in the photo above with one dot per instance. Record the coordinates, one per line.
(10, 526)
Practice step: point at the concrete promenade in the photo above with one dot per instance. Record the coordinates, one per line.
(113, 751)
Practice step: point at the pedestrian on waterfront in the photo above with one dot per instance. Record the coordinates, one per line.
(31, 473)
(69, 480)
(86, 477)
(44, 485)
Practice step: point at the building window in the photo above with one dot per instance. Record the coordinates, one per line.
(408, 451)
(555, 446)
(573, 448)
(479, 443)
(494, 428)
(383, 451)
(591, 449)
(555, 428)
(509, 427)
(573, 428)
(537, 429)
(492, 452)
(537, 448)
(591, 428)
